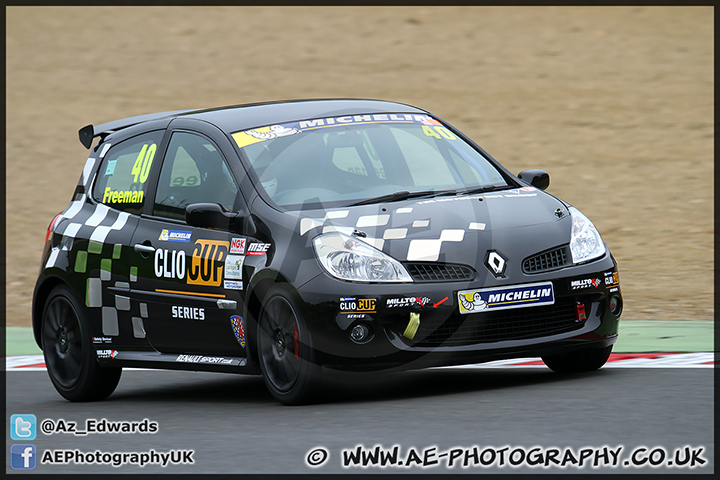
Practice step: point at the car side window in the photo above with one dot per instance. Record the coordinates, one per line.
(193, 171)
(122, 178)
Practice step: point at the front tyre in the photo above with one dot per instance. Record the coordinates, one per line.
(586, 360)
(69, 356)
(285, 351)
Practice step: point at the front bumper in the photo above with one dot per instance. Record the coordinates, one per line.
(445, 336)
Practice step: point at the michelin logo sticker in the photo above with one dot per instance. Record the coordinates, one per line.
(501, 298)
(175, 235)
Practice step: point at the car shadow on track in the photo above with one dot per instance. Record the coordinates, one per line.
(442, 382)
(143, 386)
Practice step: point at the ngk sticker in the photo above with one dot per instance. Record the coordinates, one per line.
(237, 245)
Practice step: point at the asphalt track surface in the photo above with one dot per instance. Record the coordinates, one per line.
(232, 425)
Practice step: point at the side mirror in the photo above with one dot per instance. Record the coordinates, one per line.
(536, 177)
(212, 215)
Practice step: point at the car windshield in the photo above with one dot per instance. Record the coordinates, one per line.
(361, 159)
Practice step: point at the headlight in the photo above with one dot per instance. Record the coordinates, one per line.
(349, 258)
(585, 241)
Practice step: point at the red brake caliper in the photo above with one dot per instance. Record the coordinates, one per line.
(296, 340)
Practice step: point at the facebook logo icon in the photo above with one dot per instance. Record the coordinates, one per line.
(22, 457)
(23, 427)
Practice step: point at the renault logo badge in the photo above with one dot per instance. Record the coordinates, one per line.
(496, 263)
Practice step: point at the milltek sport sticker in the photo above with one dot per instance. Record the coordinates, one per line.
(500, 298)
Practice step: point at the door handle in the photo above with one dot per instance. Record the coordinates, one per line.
(147, 249)
(227, 304)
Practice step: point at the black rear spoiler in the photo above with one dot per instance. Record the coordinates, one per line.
(88, 132)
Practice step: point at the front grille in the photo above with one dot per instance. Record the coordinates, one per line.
(548, 260)
(439, 272)
(511, 324)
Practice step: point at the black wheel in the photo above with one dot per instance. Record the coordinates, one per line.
(285, 353)
(69, 356)
(578, 361)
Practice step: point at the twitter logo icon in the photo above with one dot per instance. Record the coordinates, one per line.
(23, 426)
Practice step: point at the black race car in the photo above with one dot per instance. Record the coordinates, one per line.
(290, 238)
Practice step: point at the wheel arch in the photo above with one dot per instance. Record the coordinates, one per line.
(260, 286)
(42, 292)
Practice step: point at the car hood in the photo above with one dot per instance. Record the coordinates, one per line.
(459, 229)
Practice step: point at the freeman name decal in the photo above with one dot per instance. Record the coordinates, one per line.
(189, 313)
(501, 298)
(120, 196)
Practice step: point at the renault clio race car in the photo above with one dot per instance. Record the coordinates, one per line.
(292, 238)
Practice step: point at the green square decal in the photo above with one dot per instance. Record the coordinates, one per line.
(81, 262)
(133, 271)
(117, 250)
(106, 264)
(95, 247)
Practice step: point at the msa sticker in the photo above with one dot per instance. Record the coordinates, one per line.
(357, 305)
(237, 246)
(175, 235)
(501, 298)
(189, 313)
(258, 248)
(233, 285)
(233, 267)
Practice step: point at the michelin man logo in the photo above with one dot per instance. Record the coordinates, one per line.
(275, 131)
(477, 302)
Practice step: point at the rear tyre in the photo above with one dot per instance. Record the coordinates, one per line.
(69, 356)
(285, 351)
(578, 361)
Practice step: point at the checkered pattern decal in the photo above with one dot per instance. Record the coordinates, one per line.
(90, 244)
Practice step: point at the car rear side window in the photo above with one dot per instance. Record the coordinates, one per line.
(122, 178)
(193, 171)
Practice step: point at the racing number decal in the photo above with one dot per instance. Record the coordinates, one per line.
(438, 132)
(141, 169)
(207, 262)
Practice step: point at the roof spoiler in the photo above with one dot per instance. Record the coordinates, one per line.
(88, 132)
